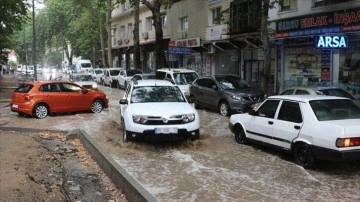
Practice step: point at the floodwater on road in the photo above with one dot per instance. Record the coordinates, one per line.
(214, 168)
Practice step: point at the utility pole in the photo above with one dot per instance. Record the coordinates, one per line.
(33, 45)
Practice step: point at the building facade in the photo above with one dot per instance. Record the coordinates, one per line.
(318, 42)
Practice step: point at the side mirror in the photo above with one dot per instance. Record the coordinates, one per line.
(252, 112)
(123, 101)
(84, 90)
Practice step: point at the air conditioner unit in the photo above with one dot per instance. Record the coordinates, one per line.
(212, 49)
(126, 40)
(119, 42)
(145, 35)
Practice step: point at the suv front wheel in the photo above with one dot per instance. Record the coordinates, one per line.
(224, 108)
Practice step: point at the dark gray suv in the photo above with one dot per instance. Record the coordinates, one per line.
(229, 94)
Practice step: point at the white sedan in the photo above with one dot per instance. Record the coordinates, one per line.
(311, 127)
(157, 110)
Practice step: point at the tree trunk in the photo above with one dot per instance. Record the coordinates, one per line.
(103, 60)
(155, 7)
(137, 63)
(108, 29)
(265, 73)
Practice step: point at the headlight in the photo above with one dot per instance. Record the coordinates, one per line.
(187, 118)
(235, 97)
(139, 119)
(95, 86)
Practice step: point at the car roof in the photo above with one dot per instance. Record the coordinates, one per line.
(175, 70)
(312, 88)
(305, 98)
(45, 82)
(153, 82)
(145, 74)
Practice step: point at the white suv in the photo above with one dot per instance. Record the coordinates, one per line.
(181, 77)
(157, 110)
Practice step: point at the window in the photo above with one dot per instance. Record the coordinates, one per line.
(130, 31)
(163, 20)
(215, 15)
(149, 24)
(184, 24)
(244, 16)
(301, 92)
(140, 27)
(319, 3)
(268, 109)
(290, 111)
(122, 31)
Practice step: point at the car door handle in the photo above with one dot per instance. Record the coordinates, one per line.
(270, 122)
(297, 127)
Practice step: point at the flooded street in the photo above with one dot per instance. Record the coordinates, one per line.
(214, 168)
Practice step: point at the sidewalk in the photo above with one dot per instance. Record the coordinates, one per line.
(8, 84)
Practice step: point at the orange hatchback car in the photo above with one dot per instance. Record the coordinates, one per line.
(41, 98)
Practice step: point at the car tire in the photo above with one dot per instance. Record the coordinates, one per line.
(97, 106)
(303, 155)
(41, 111)
(240, 136)
(224, 108)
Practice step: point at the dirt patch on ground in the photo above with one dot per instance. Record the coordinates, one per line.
(48, 167)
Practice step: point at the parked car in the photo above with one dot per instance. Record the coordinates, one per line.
(84, 80)
(39, 69)
(311, 127)
(109, 77)
(97, 74)
(181, 77)
(125, 76)
(318, 90)
(157, 110)
(228, 94)
(19, 68)
(28, 70)
(143, 76)
(41, 98)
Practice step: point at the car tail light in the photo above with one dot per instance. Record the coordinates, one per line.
(348, 142)
(28, 97)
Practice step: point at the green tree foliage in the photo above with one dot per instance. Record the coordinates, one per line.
(12, 15)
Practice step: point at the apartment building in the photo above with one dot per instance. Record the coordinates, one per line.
(318, 42)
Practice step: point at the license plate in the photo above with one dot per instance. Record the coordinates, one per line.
(165, 130)
(15, 106)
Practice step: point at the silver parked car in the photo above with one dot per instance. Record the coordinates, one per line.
(318, 90)
(229, 94)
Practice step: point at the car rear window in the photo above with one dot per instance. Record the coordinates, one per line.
(24, 88)
(337, 109)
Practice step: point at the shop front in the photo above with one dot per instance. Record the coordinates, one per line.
(185, 53)
(321, 49)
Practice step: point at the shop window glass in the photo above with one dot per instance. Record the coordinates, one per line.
(319, 3)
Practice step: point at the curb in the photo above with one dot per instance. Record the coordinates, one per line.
(123, 180)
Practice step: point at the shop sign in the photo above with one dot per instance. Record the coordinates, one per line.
(180, 50)
(330, 22)
(331, 41)
(192, 42)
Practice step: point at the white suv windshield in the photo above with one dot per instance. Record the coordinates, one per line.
(143, 94)
(185, 78)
